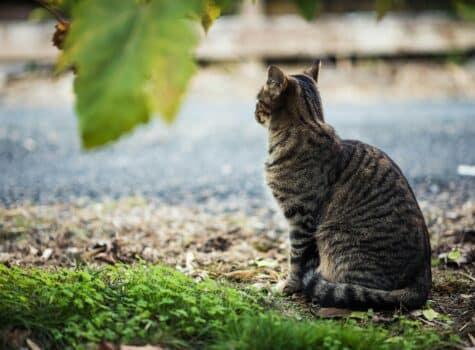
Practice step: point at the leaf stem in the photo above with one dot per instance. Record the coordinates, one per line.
(52, 11)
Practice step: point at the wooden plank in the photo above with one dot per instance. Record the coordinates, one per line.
(25, 41)
(341, 36)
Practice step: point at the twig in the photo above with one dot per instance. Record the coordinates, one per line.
(464, 326)
(467, 276)
(426, 321)
(52, 11)
(472, 339)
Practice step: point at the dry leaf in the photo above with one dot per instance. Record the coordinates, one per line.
(241, 275)
(105, 258)
(267, 263)
(32, 345)
(60, 34)
(104, 345)
(332, 312)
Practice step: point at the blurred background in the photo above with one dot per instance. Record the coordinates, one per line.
(405, 83)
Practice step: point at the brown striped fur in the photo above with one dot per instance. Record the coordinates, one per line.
(357, 236)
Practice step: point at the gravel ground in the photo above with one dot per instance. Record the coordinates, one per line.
(214, 153)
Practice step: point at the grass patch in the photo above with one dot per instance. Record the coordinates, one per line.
(274, 332)
(154, 304)
(127, 304)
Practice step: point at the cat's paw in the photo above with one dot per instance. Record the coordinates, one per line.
(289, 286)
(262, 113)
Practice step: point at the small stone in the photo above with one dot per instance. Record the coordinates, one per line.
(150, 254)
(29, 144)
(4, 257)
(33, 250)
(46, 254)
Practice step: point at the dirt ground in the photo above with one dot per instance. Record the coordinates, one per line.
(243, 249)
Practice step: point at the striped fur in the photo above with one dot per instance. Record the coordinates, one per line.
(357, 236)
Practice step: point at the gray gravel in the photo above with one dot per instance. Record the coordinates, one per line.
(214, 154)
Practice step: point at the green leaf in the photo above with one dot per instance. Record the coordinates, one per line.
(361, 315)
(171, 74)
(454, 255)
(225, 4)
(210, 14)
(429, 314)
(130, 62)
(382, 7)
(394, 340)
(308, 8)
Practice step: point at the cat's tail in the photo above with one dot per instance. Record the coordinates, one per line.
(353, 296)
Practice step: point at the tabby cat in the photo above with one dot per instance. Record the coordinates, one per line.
(357, 235)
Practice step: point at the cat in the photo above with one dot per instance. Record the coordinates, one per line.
(358, 238)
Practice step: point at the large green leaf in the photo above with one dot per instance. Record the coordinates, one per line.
(171, 73)
(308, 8)
(131, 58)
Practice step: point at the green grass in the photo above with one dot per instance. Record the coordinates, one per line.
(274, 332)
(154, 304)
(128, 304)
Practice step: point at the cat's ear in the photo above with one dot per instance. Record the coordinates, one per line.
(314, 70)
(276, 75)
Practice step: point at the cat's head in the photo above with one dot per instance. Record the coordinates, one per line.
(296, 95)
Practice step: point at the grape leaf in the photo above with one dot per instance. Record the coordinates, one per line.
(308, 8)
(381, 7)
(132, 58)
(224, 4)
(210, 13)
(170, 77)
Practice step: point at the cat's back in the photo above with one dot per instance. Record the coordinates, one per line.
(374, 201)
(373, 219)
(367, 175)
